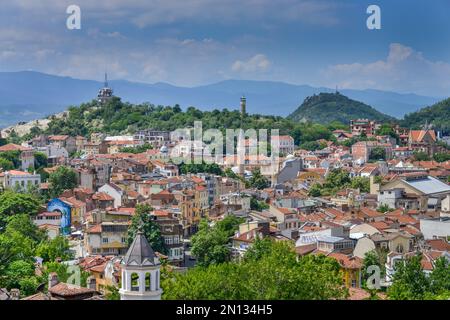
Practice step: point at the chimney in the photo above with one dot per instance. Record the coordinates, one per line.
(15, 294)
(91, 283)
(52, 280)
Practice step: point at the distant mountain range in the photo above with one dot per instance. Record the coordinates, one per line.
(29, 95)
(328, 107)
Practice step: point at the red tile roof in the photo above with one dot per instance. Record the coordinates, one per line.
(13, 147)
(102, 196)
(346, 261)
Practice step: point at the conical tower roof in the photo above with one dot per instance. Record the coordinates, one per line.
(140, 253)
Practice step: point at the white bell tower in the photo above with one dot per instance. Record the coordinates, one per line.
(140, 272)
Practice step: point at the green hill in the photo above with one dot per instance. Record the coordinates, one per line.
(328, 107)
(438, 115)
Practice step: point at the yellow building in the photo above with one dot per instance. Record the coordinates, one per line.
(350, 267)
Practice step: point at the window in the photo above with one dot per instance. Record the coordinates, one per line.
(353, 283)
(134, 282)
(124, 240)
(105, 240)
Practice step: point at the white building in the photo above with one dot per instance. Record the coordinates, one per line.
(19, 180)
(140, 272)
(54, 152)
(115, 192)
(435, 229)
(286, 144)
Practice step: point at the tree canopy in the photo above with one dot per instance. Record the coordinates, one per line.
(64, 178)
(276, 274)
(210, 243)
(142, 220)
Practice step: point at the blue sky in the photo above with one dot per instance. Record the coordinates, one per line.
(195, 42)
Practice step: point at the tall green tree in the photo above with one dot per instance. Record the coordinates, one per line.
(6, 164)
(377, 153)
(361, 183)
(257, 180)
(52, 249)
(64, 178)
(12, 203)
(440, 277)
(142, 220)
(409, 281)
(210, 243)
(40, 160)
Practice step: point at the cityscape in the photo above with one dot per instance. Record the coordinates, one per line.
(249, 188)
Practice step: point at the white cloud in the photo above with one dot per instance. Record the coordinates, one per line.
(404, 69)
(257, 63)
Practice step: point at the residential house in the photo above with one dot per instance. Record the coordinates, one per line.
(26, 155)
(422, 141)
(19, 180)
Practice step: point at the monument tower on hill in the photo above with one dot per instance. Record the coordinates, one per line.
(106, 93)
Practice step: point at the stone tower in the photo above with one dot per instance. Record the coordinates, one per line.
(140, 272)
(243, 106)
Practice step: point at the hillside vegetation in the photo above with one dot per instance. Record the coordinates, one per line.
(437, 115)
(328, 107)
(117, 117)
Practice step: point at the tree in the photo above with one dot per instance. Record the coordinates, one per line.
(22, 223)
(12, 156)
(112, 293)
(377, 153)
(421, 156)
(40, 160)
(361, 183)
(274, 273)
(138, 149)
(16, 273)
(142, 220)
(259, 249)
(384, 208)
(441, 157)
(12, 203)
(337, 178)
(409, 281)
(64, 273)
(50, 250)
(440, 277)
(210, 243)
(6, 164)
(315, 190)
(62, 179)
(257, 180)
(212, 168)
(373, 258)
(257, 205)
(386, 130)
